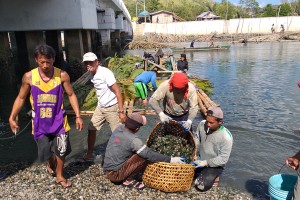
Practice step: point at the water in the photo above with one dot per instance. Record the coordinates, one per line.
(256, 86)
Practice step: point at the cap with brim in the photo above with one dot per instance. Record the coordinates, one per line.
(135, 120)
(216, 112)
(89, 57)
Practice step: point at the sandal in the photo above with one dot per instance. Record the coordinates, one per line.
(64, 183)
(85, 160)
(139, 186)
(50, 171)
(129, 183)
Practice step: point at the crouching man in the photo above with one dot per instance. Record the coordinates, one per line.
(127, 156)
(214, 144)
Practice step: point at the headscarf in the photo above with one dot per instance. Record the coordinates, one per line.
(179, 80)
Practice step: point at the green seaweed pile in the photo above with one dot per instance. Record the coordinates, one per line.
(173, 146)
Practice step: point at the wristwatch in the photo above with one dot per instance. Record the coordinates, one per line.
(121, 111)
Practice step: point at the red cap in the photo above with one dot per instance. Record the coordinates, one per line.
(179, 80)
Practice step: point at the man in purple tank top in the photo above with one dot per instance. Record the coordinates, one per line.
(50, 127)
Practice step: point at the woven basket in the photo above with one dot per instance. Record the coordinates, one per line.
(170, 177)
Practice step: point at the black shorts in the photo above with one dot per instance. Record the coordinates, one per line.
(205, 177)
(60, 143)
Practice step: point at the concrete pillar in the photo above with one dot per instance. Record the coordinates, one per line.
(33, 38)
(53, 39)
(22, 54)
(6, 67)
(86, 40)
(73, 45)
(106, 44)
(115, 38)
(4, 42)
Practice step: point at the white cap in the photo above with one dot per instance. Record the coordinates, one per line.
(89, 57)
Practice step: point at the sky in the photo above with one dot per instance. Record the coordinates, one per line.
(261, 2)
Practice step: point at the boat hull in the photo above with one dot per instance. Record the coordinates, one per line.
(202, 48)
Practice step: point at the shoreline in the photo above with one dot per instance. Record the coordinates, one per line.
(89, 182)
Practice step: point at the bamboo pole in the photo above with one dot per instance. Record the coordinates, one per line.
(201, 105)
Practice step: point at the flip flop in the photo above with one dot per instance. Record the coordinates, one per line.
(129, 184)
(50, 171)
(85, 160)
(68, 183)
(139, 186)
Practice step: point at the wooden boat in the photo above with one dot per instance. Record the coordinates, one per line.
(185, 49)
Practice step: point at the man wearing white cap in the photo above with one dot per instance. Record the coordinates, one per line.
(214, 144)
(110, 104)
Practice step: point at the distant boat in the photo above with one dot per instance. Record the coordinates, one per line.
(226, 47)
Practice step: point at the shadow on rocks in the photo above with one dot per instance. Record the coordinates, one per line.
(258, 189)
(75, 167)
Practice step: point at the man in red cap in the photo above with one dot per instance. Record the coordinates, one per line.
(179, 100)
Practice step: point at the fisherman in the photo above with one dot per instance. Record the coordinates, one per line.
(110, 104)
(192, 44)
(179, 100)
(214, 144)
(182, 63)
(141, 85)
(272, 29)
(282, 28)
(127, 156)
(50, 127)
(293, 162)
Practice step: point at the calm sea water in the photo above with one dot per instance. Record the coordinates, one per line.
(256, 86)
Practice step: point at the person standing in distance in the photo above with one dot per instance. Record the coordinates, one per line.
(110, 103)
(46, 85)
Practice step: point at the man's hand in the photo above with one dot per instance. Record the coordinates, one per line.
(199, 163)
(163, 117)
(79, 123)
(177, 160)
(187, 124)
(292, 163)
(14, 125)
(122, 117)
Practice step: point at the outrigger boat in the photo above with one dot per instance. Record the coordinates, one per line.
(185, 49)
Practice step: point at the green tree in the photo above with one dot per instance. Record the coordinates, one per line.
(285, 9)
(226, 10)
(269, 11)
(249, 7)
(152, 5)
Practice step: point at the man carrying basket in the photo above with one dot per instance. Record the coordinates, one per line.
(179, 100)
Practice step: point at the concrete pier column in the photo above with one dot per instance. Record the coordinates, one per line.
(7, 71)
(106, 44)
(86, 40)
(33, 38)
(125, 39)
(22, 54)
(73, 45)
(53, 39)
(115, 38)
(4, 41)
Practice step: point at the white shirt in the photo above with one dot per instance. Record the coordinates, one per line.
(102, 80)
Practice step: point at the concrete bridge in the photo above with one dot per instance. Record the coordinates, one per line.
(72, 27)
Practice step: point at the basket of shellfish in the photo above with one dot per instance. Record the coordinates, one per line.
(173, 140)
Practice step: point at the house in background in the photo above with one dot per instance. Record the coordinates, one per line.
(207, 16)
(144, 17)
(163, 17)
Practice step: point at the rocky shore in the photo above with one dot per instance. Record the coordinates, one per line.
(25, 181)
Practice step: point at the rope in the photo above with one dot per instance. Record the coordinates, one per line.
(286, 165)
(14, 136)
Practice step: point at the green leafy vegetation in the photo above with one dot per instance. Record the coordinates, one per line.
(189, 9)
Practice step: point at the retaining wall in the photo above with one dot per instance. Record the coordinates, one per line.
(242, 25)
